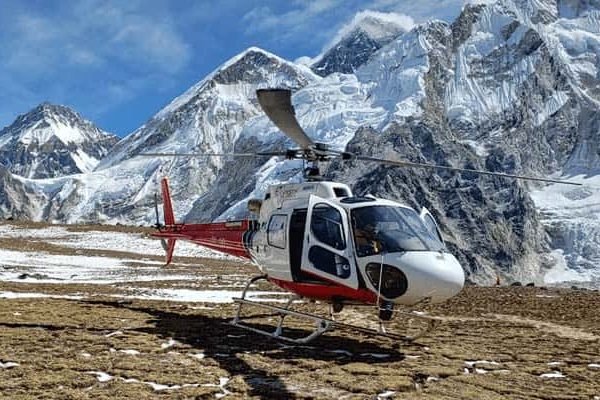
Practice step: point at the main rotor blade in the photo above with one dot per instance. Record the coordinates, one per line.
(246, 155)
(475, 171)
(277, 104)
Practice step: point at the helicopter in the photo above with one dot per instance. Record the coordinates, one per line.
(317, 240)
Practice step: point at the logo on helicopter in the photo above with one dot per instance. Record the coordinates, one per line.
(282, 194)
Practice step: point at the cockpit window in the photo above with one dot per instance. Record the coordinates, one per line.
(391, 229)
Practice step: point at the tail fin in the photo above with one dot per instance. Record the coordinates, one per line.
(169, 218)
(167, 205)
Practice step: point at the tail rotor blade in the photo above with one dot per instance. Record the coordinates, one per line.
(167, 205)
(156, 211)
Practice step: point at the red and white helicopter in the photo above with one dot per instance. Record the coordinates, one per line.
(320, 242)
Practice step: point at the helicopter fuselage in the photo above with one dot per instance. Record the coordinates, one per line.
(318, 240)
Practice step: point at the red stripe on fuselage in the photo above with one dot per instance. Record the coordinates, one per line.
(326, 292)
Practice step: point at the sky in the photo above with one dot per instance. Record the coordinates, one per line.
(119, 62)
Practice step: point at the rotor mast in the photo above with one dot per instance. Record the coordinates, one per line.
(277, 105)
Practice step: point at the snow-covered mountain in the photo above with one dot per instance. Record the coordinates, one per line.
(355, 43)
(52, 140)
(502, 88)
(207, 118)
(511, 86)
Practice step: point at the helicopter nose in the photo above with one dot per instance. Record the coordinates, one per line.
(433, 275)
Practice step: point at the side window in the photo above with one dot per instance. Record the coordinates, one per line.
(326, 225)
(328, 262)
(276, 232)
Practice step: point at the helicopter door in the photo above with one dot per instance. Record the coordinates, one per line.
(326, 252)
(431, 224)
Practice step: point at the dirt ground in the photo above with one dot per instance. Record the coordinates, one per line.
(493, 343)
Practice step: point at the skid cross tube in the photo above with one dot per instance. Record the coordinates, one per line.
(321, 324)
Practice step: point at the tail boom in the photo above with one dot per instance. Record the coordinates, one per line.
(231, 238)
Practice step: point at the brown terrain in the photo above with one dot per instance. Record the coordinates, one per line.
(103, 343)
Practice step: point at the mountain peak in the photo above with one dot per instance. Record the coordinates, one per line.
(251, 50)
(228, 91)
(378, 26)
(252, 59)
(358, 40)
(44, 115)
(52, 140)
(47, 109)
(253, 66)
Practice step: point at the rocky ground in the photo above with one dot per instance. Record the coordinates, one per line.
(164, 333)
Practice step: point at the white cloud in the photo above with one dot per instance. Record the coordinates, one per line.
(96, 54)
(304, 60)
(321, 20)
(421, 10)
(92, 32)
(480, 1)
(368, 20)
(85, 57)
(261, 19)
(155, 44)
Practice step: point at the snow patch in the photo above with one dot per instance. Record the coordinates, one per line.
(207, 296)
(470, 364)
(101, 376)
(198, 356)
(39, 267)
(553, 375)
(130, 352)
(375, 355)
(170, 343)
(20, 295)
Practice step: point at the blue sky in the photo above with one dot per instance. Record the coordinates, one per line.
(119, 62)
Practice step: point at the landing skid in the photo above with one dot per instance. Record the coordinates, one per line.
(321, 324)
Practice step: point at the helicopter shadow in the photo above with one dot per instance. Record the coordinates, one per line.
(225, 343)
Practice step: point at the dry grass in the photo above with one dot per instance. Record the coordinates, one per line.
(59, 343)
(48, 338)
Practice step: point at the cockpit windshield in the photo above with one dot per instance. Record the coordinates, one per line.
(391, 229)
